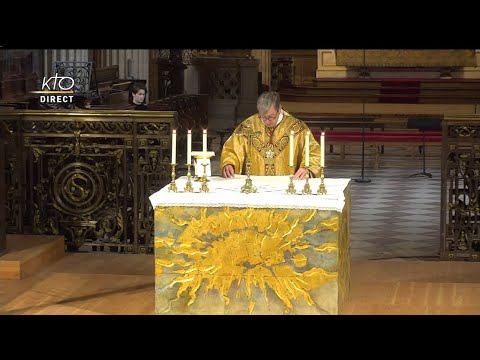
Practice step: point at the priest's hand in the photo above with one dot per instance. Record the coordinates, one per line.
(300, 174)
(228, 171)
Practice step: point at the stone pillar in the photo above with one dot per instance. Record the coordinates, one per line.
(220, 79)
(470, 72)
(247, 100)
(191, 78)
(327, 65)
(232, 85)
(264, 57)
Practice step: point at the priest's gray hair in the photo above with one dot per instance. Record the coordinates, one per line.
(266, 100)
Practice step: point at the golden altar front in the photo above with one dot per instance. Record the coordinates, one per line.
(227, 252)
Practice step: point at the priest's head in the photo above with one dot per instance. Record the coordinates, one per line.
(268, 106)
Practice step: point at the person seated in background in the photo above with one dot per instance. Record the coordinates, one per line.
(270, 131)
(138, 92)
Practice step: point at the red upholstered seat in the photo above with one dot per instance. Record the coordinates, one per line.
(378, 136)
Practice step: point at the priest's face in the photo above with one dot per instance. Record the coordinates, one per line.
(270, 118)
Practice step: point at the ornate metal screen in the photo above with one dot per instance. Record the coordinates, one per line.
(460, 222)
(3, 223)
(87, 175)
(83, 74)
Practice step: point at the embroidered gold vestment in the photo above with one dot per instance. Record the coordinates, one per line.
(269, 147)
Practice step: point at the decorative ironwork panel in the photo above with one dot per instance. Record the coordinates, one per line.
(4, 137)
(83, 74)
(460, 189)
(88, 176)
(225, 83)
(14, 197)
(283, 72)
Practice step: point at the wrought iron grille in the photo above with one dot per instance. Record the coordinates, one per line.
(460, 189)
(83, 74)
(87, 176)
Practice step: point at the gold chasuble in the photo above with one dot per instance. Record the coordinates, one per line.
(270, 148)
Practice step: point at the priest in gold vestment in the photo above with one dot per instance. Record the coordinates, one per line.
(266, 136)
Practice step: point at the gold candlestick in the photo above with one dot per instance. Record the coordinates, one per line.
(291, 187)
(173, 185)
(248, 188)
(306, 188)
(321, 189)
(188, 186)
(204, 187)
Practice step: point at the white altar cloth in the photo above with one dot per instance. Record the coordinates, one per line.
(271, 193)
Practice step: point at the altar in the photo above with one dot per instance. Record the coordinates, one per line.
(269, 252)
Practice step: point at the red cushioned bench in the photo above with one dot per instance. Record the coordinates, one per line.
(378, 139)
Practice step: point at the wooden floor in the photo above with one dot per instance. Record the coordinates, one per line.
(104, 283)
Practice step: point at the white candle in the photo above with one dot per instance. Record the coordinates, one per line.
(174, 146)
(322, 149)
(189, 147)
(291, 148)
(204, 146)
(307, 149)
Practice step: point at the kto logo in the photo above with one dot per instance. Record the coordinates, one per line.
(56, 89)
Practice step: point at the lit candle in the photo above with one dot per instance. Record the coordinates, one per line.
(307, 149)
(189, 147)
(204, 146)
(291, 148)
(174, 146)
(322, 149)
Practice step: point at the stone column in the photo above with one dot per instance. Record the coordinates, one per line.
(470, 72)
(264, 57)
(327, 65)
(247, 99)
(219, 78)
(191, 80)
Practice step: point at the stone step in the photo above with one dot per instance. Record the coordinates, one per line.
(28, 254)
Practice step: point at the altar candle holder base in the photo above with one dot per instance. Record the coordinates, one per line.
(248, 188)
(291, 187)
(188, 186)
(306, 188)
(321, 189)
(204, 188)
(173, 185)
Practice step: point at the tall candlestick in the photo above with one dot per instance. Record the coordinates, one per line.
(322, 149)
(307, 149)
(174, 146)
(291, 148)
(204, 146)
(189, 147)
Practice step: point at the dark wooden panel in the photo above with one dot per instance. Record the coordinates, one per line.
(3, 220)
